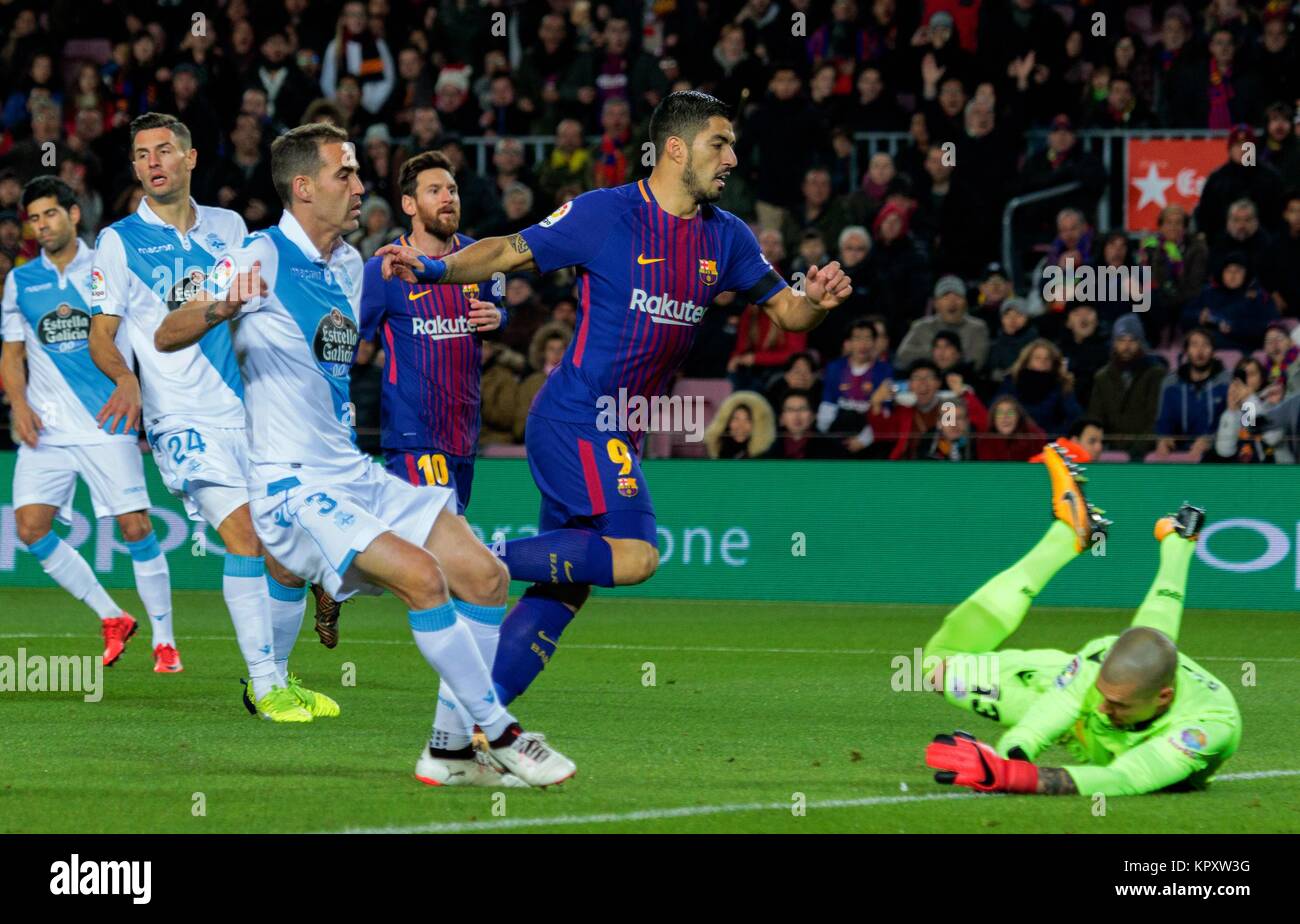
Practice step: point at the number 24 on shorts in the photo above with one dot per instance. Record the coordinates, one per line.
(180, 445)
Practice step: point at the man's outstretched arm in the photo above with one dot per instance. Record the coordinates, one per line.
(191, 322)
(476, 263)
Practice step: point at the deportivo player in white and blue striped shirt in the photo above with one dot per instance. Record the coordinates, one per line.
(147, 265)
(324, 509)
(57, 397)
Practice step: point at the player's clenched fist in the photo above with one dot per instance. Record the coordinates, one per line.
(827, 287)
(962, 760)
(483, 316)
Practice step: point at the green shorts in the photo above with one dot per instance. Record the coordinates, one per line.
(1001, 685)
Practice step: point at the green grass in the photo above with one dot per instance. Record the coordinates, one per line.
(750, 724)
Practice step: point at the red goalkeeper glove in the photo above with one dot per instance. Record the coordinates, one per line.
(963, 760)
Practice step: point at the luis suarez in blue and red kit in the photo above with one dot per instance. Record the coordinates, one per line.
(651, 256)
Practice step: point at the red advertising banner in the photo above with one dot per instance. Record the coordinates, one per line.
(1168, 172)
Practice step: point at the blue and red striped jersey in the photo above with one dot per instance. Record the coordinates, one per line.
(432, 361)
(645, 279)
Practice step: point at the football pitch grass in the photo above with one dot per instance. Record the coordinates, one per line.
(752, 703)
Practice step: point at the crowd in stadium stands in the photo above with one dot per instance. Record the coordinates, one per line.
(941, 352)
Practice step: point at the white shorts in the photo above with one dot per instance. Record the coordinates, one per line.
(207, 469)
(112, 470)
(315, 530)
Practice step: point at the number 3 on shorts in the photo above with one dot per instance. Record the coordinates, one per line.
(324, 503)
(619, 455)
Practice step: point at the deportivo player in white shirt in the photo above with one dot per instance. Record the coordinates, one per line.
(324, 509)
(147, 265)
(56, 398)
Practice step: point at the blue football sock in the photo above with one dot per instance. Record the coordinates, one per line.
(562, 556)
(529, 636)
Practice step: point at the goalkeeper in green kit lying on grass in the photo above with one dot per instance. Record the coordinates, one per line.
(1137, 714)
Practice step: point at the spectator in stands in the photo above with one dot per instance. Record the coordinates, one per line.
(1279, 64)
(903, 428)
(1178, 266)
(742, 429)
(1118, 290)
(848, 385)
(1044, 387)
(818, 211)
(568, 162)
(1070, 252)
(619, 71)
(1283, 258)
(1064, 160)
(994, 289)
(377, 228)
(504, 112)
(762, 349)
(1012, 435)
(800, 376)
(954, 371)
(901, 269)
(29, 158)
(1227, 186)
(874, 109)
(544, 354)
(1249, 398)
(526, 310)
(1235, 309)
(797, 439)
(812, 251)
(615, 159)
(499, 389)
(1014, 334)
(1126, 391)
(1085, 348)
(782, 115)
(1281, 353)
(359, 51)
(949, 314)
(1173, 59)
(1281, 148)
(289, 91)
(243, 178)
(457, 110)
(1243, 236)
(951, 440)
(1220, 91)
(1130, 62)
(1119, 108)
(733, 74)
(1192, 399)
(542, 73)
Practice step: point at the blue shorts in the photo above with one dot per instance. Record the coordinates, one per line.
(589, 479)
(433, 467)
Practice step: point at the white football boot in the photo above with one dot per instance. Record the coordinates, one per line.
(530, 759)
(471, 771)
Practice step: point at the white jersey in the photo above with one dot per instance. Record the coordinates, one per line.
(49, 312)
(295, 347)
(144, 269)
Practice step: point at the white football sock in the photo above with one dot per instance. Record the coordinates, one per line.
(243, 584)
(451, 731)
(449, 647)
(74, 574)
(288, 604)
(153, 583)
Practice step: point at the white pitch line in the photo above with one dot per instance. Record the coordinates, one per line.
(692, 811)
(686, 649)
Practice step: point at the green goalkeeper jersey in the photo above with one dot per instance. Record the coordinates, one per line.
(1185, 745)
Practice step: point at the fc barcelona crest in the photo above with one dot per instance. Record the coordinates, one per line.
(708, 271)
(470, 290)
(627, 487)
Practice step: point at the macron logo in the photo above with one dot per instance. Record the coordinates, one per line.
(665, 310)
(104, 877)
(441, 328)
